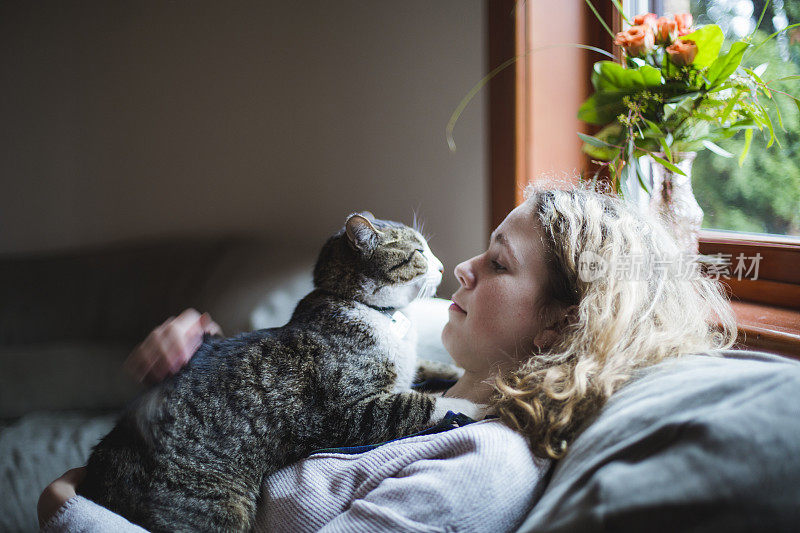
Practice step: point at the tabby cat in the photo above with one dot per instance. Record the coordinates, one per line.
(190, 454)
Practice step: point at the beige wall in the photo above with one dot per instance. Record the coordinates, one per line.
(131, 119)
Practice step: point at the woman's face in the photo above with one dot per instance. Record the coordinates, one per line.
(494, 317)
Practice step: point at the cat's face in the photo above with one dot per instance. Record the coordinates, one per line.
(378, 262)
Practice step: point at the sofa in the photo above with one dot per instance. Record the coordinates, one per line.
(708, 442)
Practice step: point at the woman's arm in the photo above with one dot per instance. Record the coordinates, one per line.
(165, 351)
(61, 510)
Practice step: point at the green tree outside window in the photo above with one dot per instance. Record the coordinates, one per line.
(763, 195)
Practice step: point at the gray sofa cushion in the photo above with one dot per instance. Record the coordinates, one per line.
(111, 293)
(63, 376)
(696, 444)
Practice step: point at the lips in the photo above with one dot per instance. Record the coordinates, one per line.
(455, 307)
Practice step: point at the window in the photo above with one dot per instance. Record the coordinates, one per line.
(737, 218)
(763, 194)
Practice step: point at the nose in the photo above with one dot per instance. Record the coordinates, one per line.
(436, 265)
(464, 275)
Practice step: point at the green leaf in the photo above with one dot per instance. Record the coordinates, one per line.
(612, 77)
(621, 11)
(768, 121)
(709, 42)
(653, 128)
(715, 103)
(668, 69)
(705, 116)
(683, 97)
(600, 19)
(576, 45)
(611, 133)
(594, 141)
(794, 77)
(640, 175)
(763, 11)
(601, 108)
(629, 170)
(763, 85)
(761, 69)
(745, 124)
(772, 36)
(725, 65)
(728, 108)
(753, 113)
(726, 84)
(780, 118)
(587, 112)
(717, 149)
(639, 129)
(748, 138)
(667, 164)
(665, 146)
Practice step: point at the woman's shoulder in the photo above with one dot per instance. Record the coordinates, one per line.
(490, 430)
(490, 437)
(485, 441)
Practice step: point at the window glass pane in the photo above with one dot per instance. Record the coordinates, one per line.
(763, 195)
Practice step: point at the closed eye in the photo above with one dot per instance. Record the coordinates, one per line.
(406, 261)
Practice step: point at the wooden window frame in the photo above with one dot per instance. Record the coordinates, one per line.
(511, 129)
(767, 309)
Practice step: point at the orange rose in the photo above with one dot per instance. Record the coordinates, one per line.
(682, 52)
(666, 30)
(636, 40)
(684, 21)
(645, 19)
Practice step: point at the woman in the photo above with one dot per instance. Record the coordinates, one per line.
(547, 324)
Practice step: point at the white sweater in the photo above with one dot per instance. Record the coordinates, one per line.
(480, 477)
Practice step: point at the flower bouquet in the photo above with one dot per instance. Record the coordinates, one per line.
(674, 92)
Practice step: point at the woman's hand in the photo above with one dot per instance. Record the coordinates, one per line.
(58, 492)
(170, 346)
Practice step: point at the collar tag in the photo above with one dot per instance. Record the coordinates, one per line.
(400, 324)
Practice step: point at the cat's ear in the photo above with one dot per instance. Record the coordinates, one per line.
(361, 234)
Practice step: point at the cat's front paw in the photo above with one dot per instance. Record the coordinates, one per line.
(427, 370)
(475, 411)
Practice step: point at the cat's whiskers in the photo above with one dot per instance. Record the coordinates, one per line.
(428, 288)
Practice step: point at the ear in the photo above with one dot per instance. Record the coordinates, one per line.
(369, 216)
(552, 333)
(361, 234)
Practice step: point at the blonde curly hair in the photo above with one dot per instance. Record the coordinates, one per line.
(622, 322)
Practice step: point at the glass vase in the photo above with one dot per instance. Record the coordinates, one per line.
(672, 199)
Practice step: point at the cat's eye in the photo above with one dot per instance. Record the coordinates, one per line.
(411, 255)
(408, 259)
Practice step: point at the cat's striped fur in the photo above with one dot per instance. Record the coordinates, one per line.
(191, 453)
